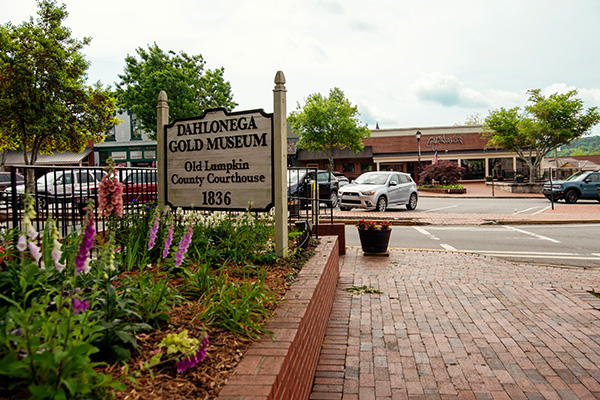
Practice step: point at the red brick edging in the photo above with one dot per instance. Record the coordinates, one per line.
(283, 367)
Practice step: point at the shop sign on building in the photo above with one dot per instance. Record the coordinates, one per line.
(220, 160)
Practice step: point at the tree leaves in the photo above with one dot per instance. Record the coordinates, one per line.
(327, 123)
(190, 89)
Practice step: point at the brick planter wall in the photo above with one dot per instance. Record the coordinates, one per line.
(283, 367)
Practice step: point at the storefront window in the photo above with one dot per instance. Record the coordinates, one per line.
(501, 168)
(474, 169)
(348, 167)
(366, 167)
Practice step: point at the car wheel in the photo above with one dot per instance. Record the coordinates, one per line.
(42, 201)
(381, 204)
(333, 200)
(412, 203)
(571, 196)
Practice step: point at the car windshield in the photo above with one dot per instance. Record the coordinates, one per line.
(577, 177)
(295, 176)
(372, 179)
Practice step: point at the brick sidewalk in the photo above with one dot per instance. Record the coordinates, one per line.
(450, 325)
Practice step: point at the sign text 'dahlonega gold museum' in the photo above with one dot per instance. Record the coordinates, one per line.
(220, 161)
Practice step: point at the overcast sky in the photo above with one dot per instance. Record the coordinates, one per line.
(416, 63)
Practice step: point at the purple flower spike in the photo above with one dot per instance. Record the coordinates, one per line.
(168, 241)
(86, 245)
(183, 246)
(152, 238)
(80, 305)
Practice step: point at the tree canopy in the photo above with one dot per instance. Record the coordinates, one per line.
(545, 124)
(45, 105)
(189, 87)
(586, 146)
(327, 123)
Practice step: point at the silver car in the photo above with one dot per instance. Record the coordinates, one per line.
(380, 190)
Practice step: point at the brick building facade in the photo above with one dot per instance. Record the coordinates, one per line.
(399, 149)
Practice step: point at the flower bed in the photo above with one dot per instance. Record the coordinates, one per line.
(161, 305)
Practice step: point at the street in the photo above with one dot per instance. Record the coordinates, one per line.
(573, 245)
(486, 205)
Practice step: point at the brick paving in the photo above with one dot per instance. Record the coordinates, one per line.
(451, 325)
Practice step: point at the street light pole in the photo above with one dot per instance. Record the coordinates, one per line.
(418, 135)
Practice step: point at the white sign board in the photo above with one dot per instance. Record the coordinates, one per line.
(220, 160)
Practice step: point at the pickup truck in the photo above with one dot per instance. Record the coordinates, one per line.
(580, 185)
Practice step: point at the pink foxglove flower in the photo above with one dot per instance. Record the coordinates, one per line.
(22, 243)
(183, 246)
(80, 305)
(168, 241)
(110, 191)
(35, 251)
(81, 260)
(153, 231)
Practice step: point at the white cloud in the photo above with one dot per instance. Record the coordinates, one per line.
(448, 91)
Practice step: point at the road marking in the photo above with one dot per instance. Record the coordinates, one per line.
(441, 208)
(424, 232)
(542, 210)
(527, 209)
(447, 247)
(531, 234)
(596, 254)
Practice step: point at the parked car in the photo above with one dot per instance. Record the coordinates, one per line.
(300, 183)
(341, 178)
(580, 185)
(62, 185)
(380, 190)
(139, 185)
(6, 183)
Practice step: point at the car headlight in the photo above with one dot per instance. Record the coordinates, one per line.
(368, 192)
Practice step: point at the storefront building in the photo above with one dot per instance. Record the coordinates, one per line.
(403, 150)
(126, 144)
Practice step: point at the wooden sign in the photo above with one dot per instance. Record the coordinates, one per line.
(220, 160)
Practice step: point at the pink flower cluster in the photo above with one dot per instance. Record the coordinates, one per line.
(110, 198)
(191, 361)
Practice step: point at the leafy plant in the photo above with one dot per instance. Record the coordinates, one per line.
(152, 296)
(46, 350)
(239, 308)
(362, 289)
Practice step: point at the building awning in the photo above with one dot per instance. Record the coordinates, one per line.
(66, 158)
(305, 155)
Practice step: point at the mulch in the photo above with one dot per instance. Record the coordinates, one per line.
(205, 380)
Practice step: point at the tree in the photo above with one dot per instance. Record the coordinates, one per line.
(45, 105)
(190, 88)
(546, 124)
(446, 172)
(327, 123)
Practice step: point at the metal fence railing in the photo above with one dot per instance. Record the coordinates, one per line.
(63, 192)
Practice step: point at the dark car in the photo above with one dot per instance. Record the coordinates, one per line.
(5, 183)
(300, 184)
(580, 185)
(341, 178)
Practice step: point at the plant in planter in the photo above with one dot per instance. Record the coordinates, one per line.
(519, 178)
(374, 236)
